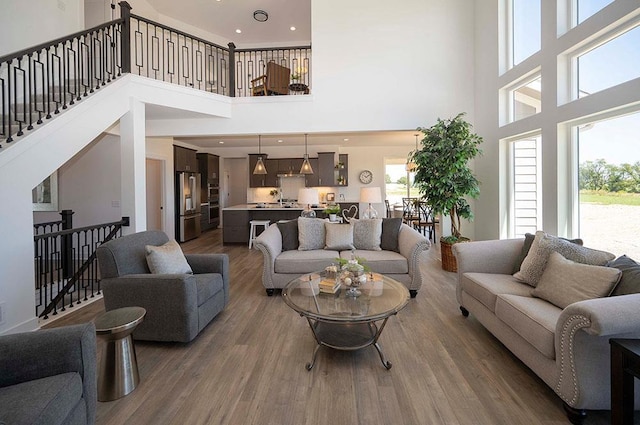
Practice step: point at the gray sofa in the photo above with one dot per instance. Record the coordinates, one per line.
(567, 348)
(280, 267)
(178, 306)
(49, 376)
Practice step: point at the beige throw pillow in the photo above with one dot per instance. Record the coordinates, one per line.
(367, 233)
(565, 282)
(311, 233)
(543, 245)
(167, 259)
(339, 237)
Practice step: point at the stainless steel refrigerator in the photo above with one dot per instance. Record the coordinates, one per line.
(188, 205)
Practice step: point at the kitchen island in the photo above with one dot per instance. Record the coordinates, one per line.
(235, 219)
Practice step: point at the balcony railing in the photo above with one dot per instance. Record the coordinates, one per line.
(37, 83)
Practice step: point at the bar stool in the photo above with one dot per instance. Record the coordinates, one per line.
(254, 224)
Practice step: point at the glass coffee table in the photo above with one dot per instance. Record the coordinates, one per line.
(342, 321)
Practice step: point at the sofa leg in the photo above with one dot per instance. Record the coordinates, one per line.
(413, 292)
(575, 416)
(270, 292)
(464, 311)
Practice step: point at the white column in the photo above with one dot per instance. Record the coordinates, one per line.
(133, 202)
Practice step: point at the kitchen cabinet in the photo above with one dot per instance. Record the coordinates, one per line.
(326, 169)
(256, 180)
(184, 159)
(289, 165)
(271, 178)
(343, 170)
(236, 226)
(209, 166)
(312, 180)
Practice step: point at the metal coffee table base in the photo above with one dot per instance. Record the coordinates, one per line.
(346, 336)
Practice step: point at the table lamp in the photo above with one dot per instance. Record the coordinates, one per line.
(307, 197)
(370, 195)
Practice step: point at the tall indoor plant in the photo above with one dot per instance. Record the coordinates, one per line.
(443, 176)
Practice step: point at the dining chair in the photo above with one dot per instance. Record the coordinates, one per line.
(425, 222)
(409, 210)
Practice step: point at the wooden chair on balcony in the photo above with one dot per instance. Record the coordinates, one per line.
(275, 81)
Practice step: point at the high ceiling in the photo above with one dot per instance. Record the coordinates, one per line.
(224, 17)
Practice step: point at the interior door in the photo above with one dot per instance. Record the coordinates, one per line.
(155, 210)
(236, 181)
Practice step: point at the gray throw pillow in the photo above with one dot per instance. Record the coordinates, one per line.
(526, 246)
(367, 233)
(339, 237)
(167, 259)
(390, 233)
(543, 245)
(630, 280)
(289, 231)
(311, 233)
(565, 282)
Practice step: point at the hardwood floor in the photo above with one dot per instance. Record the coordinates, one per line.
(247, 366)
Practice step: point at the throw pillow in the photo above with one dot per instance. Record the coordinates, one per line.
(367, 233)
(289, 231)
(311, 233)
(390, 232)
(167, 259)
(565, 282)
(543, 244)
(526, 246)
(339, 237)
(630, 280)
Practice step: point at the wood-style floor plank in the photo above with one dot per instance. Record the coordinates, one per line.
(248, 366)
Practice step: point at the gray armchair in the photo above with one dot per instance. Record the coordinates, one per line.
(49, 376)
(178, 306)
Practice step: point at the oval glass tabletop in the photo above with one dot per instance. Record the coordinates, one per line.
(380, 297)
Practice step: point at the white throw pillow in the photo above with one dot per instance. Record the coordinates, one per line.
(339, 236)
(311, 233)
(167, 259)
(367, 233)
(565, 282)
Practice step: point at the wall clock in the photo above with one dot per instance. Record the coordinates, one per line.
(366, 176)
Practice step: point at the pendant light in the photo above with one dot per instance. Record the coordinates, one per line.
(260, 168)
(411, 166)
(306, 165)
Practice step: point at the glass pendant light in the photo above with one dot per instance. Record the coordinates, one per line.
(260, 168)
(411, 166)
(306, 165)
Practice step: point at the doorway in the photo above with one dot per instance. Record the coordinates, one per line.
(155, 194)
(236, 181)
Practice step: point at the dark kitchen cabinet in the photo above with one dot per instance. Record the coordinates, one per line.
(326, 169)
(312, 180)
(343, 170)
(289, 165)
(185, 159)
(256, 180)
(209, 166)
(271, 178)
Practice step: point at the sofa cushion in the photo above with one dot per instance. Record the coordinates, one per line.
(304, 261)
(167, 259)
(630, 281)
(311, 233)
(338, 236)
(367, 233)
(565, 282)
(207, 285)
(532, 318)
(390, 233)
(485, 287)
(42, 401)
(289, 232)
(543, 245)
(385, 262)
(526, 246)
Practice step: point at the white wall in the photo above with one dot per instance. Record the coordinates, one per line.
(28, 23)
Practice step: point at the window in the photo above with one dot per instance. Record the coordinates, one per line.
(398, 182)
(526, 209)
(525, 28)
(609, 184)
(587, 8)
(612, 63)
(526, 99)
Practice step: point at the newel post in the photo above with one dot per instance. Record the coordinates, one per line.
(125, 49)
(66, 244)
(232, 70)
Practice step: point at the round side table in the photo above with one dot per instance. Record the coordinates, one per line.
(118, 372)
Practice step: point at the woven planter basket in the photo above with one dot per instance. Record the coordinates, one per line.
(448, 259)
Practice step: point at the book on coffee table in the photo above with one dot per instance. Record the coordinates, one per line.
(329, 286)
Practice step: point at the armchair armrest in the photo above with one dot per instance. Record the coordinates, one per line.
(34, 355)
(211, 263)
(411, 244)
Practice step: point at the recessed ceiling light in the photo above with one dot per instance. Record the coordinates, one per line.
(346, 140)
(279, 140)
(260, 15)
(292, 28)
(238, 30)
(222, 143)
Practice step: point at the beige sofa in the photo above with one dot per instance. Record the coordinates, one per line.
(567, 348)
(280, 267)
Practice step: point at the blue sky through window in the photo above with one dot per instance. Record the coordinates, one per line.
(587, 8)
(526, 29)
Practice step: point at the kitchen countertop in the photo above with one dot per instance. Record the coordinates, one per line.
(275, 207)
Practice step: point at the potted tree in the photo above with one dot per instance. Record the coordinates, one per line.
(443, 176)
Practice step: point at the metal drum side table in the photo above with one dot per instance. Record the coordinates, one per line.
(118, 371)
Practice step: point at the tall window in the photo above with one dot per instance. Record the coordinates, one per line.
(526, 29)
(612, 63)
(398, 182)
(587, 8)
(526, 197)
(526, 99)
(609, 184)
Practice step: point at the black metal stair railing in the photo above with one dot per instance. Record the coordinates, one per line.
(65, 265)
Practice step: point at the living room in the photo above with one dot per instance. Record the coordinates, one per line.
(417, 39)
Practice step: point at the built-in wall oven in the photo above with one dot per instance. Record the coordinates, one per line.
(214, 205)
